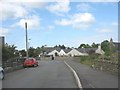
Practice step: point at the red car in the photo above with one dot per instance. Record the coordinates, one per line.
(30, 62)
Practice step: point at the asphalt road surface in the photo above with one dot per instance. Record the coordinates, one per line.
(49, 74)
(91, 78)
(55, 74)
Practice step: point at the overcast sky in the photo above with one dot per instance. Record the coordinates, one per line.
(53, 23)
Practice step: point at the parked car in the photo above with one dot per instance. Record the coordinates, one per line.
(1, 73)
(30, 62)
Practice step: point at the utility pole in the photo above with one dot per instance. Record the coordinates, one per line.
(26, 40)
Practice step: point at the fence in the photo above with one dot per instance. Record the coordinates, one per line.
(13, 64)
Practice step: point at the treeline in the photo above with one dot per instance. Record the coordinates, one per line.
(10, 51)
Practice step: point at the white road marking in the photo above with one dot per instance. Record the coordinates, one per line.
(75, 75)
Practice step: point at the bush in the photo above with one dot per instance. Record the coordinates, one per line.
(89, 60)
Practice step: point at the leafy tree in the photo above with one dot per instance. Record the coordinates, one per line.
(105, 45)
(38, 50)
(63, 47)
(9, 51)
(84, 46)
(23, 53)
(94, 45)
(31, 52)
(55, 46)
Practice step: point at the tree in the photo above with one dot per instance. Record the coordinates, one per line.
(23, 53)
(38, 50)
(31, 52)
(105, 45)
(63, 47)
(94, 45)
(84, 46)
(55, 46)
(9, 51)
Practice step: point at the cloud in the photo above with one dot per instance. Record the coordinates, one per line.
(109, 28)
(105, 30)
(59, 8)
(94, 0)
(84, 7)
(18, 8)
(78, 20)
(50, 27)
(115, 24)
(33, 23)
(63, 22)
(3, 31)
(11, 10)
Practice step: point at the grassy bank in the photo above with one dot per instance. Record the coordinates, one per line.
(88, 60)
(104, 63)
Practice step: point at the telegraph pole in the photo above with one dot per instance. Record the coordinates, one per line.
(26, 40)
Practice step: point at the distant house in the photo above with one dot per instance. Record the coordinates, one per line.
(83, 51)
(117, 45)
(75, 52)
(99, 50)
(62, 53)
(51, 51)
(56, 51)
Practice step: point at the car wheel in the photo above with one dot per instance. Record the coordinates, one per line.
(1, 75)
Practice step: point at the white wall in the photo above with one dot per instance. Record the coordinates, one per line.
(75, 52)
(53, 52)
(62, 53)
(99, 50)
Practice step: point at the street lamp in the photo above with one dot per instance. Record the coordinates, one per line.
(26, 40)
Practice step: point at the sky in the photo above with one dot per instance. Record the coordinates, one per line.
(58, 22)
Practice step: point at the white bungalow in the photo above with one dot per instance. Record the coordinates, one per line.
(99, 51)
(75, 52)
(62, 53)
(54, 53)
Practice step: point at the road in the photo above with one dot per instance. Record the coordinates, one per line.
(49, 74)
(91, 78)
(55, 74)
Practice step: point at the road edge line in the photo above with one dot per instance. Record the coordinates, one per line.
(75, 75)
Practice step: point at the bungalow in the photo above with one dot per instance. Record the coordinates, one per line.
(63, 52)
(51, 51)
(54, 53)
(72, 52)
(117, 45)
(75, 52)
(100, 51)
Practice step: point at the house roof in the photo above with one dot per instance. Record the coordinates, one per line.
(117, 44)
(85, 50)
(67, 50)
(50, 49)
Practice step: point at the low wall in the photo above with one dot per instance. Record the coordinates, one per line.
(13, 64)
(105, 65)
